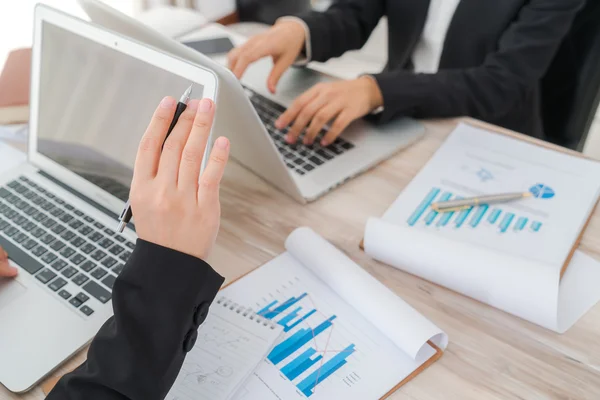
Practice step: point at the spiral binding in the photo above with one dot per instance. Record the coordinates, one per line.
(245, 312)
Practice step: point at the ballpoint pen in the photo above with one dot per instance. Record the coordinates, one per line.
(456, 205)
(126, 214)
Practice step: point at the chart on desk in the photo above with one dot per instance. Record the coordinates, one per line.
(328, 351)
(473, 163)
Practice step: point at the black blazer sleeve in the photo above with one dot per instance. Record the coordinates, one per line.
(500, 84)
(345, 26)
(159, 300)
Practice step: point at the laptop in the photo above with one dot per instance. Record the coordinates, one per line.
(247, 112)
(92, 95)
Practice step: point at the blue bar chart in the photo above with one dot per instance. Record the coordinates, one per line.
(473, 217)
(296, 354)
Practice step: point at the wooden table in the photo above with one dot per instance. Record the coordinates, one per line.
(491, 355)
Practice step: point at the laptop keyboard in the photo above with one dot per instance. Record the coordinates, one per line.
(60, 245)
(298, 157)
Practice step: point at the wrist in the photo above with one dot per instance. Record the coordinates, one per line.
(374, 95)
(298, 32)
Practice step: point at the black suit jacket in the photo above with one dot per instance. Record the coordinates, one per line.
(495, 55)
(159, 300)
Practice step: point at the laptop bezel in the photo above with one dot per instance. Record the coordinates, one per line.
(90, 31)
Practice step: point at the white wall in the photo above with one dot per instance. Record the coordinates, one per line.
(16, 19)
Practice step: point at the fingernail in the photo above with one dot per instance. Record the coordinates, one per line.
(278, 124)
(222, 143)
(324, 143)
(290, 139)
(205, 105)
(167, 102)
(193, 105)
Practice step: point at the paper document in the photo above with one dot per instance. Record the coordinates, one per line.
(230, 345)
(10, 157)
(346, 335)
(507, 255)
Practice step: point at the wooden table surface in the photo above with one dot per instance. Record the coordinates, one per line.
(491, 355)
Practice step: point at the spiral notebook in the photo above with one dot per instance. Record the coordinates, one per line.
(231, 343)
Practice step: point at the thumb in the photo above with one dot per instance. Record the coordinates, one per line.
(7, 271)
(281, 64)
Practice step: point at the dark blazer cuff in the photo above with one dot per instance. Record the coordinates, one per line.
(180, 277)
(320, 35)
(403, 92)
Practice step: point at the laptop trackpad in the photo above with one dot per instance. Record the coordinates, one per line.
(10, 290)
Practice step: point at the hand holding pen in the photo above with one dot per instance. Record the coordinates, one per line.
(126, 214)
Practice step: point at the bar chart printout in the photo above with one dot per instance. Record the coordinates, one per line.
(286, 356)
(479, 217)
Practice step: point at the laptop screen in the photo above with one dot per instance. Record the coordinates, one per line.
(95, 104)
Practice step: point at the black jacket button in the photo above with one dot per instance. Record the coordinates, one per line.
(190, 340)
(201, 313)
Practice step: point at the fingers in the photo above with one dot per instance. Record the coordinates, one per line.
(303, 119)
(168, 169)
(249, 53)
(281, 64)
(321, 118)
(6, 271)
(341, 122)
(193, 152)
(213, 173)
(148, 156)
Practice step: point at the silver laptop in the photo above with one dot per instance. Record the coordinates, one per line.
(247, 111)
(92, 95)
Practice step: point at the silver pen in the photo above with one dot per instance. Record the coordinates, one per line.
(126, 214)
(456, 205)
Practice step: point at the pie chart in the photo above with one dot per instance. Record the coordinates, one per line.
(541, 191)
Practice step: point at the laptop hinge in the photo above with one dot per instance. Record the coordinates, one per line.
(84, 198)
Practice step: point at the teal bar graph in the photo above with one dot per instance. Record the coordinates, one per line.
(285, 320)
(473, 216)
(478, 216)
(310, 382)
(462, 217)
(423, 206)
(432, 214)
(506, 222)
(493, 217)
(521, 222)
(303, 362)
(536, 226)
(447, 216)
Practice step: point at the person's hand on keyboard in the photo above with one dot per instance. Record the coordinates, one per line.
(283, 42)
(340, 102)
(174, 205)
(6, 271)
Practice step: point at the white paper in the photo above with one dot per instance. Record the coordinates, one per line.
(578, 290)
(512, 264)
(14, 133)
(10, 157)
(382, 307)
(376, 364)
(524, 288)
(229, 347)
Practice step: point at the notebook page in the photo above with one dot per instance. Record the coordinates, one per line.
(329, 351)
(231, 343)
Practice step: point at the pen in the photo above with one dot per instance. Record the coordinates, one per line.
(455, 205)
(126, 214)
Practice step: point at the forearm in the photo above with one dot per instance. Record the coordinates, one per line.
(138, 353)
(345, 26)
